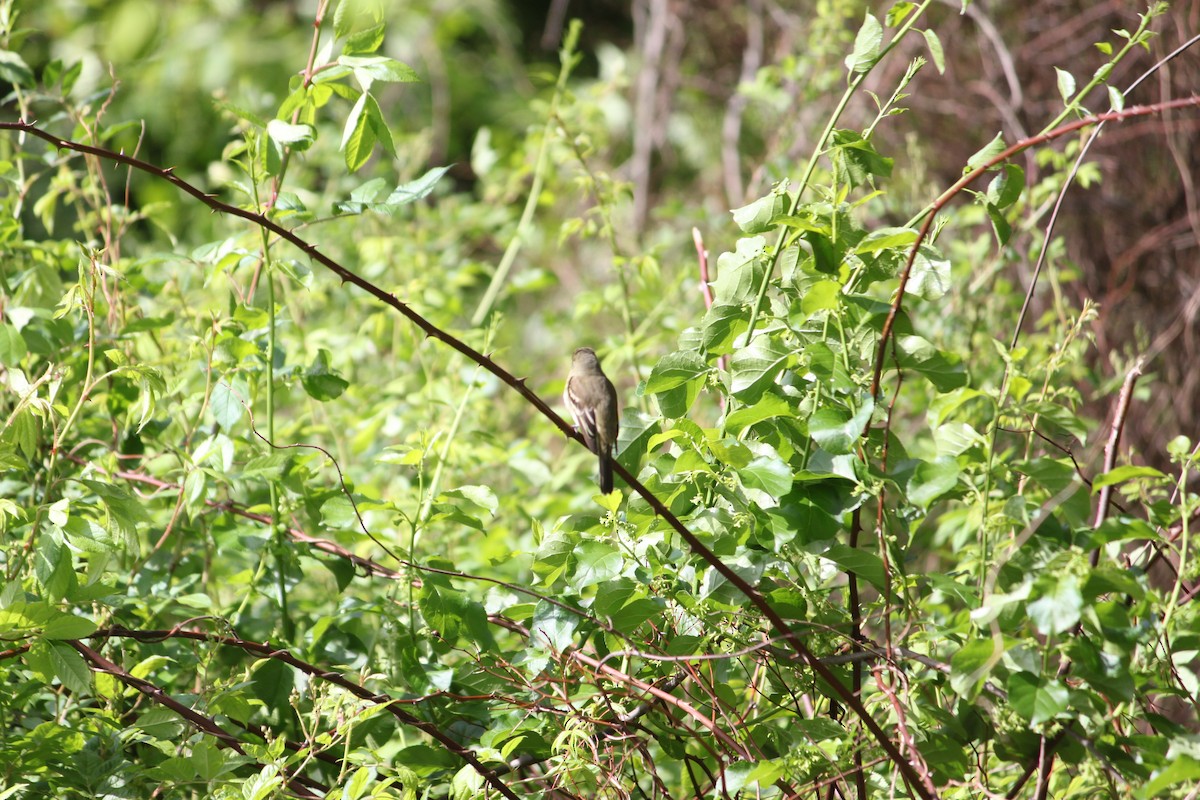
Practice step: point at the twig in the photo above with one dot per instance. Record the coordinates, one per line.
(706, 289)
(1114, 439)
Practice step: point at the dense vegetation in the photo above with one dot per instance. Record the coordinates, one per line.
(288, 508)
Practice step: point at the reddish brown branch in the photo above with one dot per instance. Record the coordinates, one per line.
(706, 280)
(1114, 439)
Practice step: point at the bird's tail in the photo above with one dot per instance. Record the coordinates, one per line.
(606, 473)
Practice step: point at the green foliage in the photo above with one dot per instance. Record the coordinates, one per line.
(261, 536)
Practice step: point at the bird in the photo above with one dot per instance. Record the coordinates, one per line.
(592, 400)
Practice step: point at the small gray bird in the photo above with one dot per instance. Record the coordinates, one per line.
(592, 401)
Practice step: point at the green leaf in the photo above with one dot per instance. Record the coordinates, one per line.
(637, 429)
(53, 566)
(410, 192)
(343, 18)
(1181, 769)
(747, 778)
(69, 626)
(636, 612)
(863, 563)
(1058, 604)
(768, 407)
(261, 785)
(992, 149)
(799, 517)
(935, 50)
(1055, 416)
(552, 556)
(596, 562)
(835, 430)
(444, 609)
(898, 12)
(1128, 472)
(826, 258)
(364, 129)
(342, 570)
(1116, 99)
(886, 239)
(866, 46)
(209, 761)
(483, 497)
(1036, 699)
(14, 70)
(283, 137)
(337, 512)
(760, 216)
(378, 68)
(732, 452)
(1120, 529)
(367, 40)
(821, 296)
(754, 368)
(676, 381)
(453, 512)
(625, 605)
(855, 159)
(23, 617)
(971, 665)
(932, 479)
(944, 370)
(320, 381)
(1000, 225)
(718, 587)
(12, 345)
(1005, 189)
(226, 406)
(365, 196)
(721, 326)
(426, 759)
(676, 369)
(769, 473)
(70, 668)
(1066, 84)
(739, 273)
(285, 134)
(552, 627)
(956, 438)
(23, 432)
(930, 276)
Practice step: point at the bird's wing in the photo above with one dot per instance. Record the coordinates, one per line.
(585, 416)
